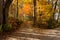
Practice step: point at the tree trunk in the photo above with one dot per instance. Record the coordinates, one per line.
(6, 6)
(34, 20)
(1, 7)
(55, 8)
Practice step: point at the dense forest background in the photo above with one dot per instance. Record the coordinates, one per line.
(43, 13)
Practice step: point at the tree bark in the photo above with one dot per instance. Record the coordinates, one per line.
(1, 7)
(55, 8)
(6, 6)
(34, 20)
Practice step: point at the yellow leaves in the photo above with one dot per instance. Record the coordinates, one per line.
(14, 2)
(10, 14)
(43, 2)
(45, 9)
(20, 11)
(28, 1)
(25, 1)
(42, 8)
(48, 15)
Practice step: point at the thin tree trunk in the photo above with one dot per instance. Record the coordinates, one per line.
(34, 13)
(17, 9)
(55, 8)
(59, 8)
(48, 1)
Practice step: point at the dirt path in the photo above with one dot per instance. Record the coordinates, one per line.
(28, 32)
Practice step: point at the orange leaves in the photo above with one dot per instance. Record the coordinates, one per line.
(27, 8)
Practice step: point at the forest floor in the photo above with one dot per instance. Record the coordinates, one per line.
(28, 32)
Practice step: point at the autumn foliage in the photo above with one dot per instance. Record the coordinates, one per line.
(45, 11)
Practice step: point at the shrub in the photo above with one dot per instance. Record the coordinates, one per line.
(7, 27)
(52, 24)
(0, 28)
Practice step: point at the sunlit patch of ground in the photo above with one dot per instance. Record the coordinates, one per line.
(12, 39)
(21, 38)
(27, 28)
